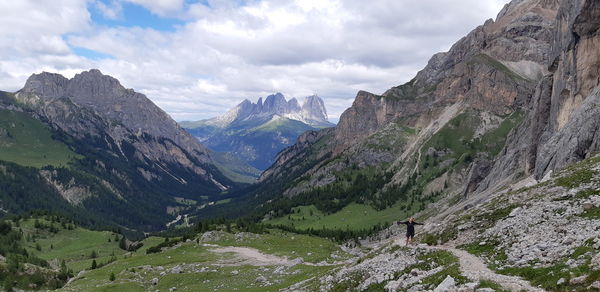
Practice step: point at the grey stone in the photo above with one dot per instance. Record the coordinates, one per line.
(578, 280)
(446, 285)
(176, 270)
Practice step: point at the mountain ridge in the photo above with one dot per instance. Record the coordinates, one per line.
(132, 161)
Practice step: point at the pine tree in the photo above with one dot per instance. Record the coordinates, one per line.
(94, 265)
(112, 276)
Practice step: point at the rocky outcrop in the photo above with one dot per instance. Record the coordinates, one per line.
(562, 125)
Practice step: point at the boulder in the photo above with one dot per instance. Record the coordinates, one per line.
(578, 280)
(447, 285)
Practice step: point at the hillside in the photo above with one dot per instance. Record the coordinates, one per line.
(81, 147)
(256, 132)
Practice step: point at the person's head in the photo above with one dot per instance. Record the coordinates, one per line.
(411, 219)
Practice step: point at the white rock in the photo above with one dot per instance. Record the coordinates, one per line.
(515, 212)
(578, 280)
(155, 281)
(176, 270)
(446, 285)
(561, 281)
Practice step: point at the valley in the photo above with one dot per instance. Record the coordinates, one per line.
(493, 147)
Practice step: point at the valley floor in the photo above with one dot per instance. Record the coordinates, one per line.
(532, 236)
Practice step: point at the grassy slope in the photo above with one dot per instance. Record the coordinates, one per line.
(133, 274)
(352, 217)
(74, 246)
(284, 125)
(134, 271)
(285, 244)
(26, 141)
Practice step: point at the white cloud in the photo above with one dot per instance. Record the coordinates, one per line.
(32, 38)
(160, 7)
(225, 52)
(113, 10)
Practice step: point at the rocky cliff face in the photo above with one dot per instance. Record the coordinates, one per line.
(108, 99)
(562, 126)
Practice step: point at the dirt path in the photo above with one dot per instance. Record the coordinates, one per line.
(254, 257)
(475, 269)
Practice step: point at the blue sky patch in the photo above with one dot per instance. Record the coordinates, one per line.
(133, 15)
(90, 54)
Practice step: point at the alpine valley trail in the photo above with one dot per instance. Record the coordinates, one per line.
(475, 269)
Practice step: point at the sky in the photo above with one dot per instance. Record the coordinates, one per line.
(196, 59)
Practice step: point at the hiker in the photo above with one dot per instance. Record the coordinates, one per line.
(410, 229)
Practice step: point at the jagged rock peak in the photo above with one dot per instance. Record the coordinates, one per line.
(312, 111)
(109, 99)
(46, 84)
(314, 108)
(90, 84)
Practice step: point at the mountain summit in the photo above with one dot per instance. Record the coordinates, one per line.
(121, 160)
(312, 112)
(256, 132)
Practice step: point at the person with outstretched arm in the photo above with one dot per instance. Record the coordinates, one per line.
(410, 229)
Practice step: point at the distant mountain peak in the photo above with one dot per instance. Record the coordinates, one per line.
(312, 111)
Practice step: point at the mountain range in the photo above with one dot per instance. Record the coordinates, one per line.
(110, 155)
(256, 132)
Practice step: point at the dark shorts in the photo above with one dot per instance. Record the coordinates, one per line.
(410, 234)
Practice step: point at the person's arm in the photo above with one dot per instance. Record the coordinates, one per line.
(418, 223)
(402, 222)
